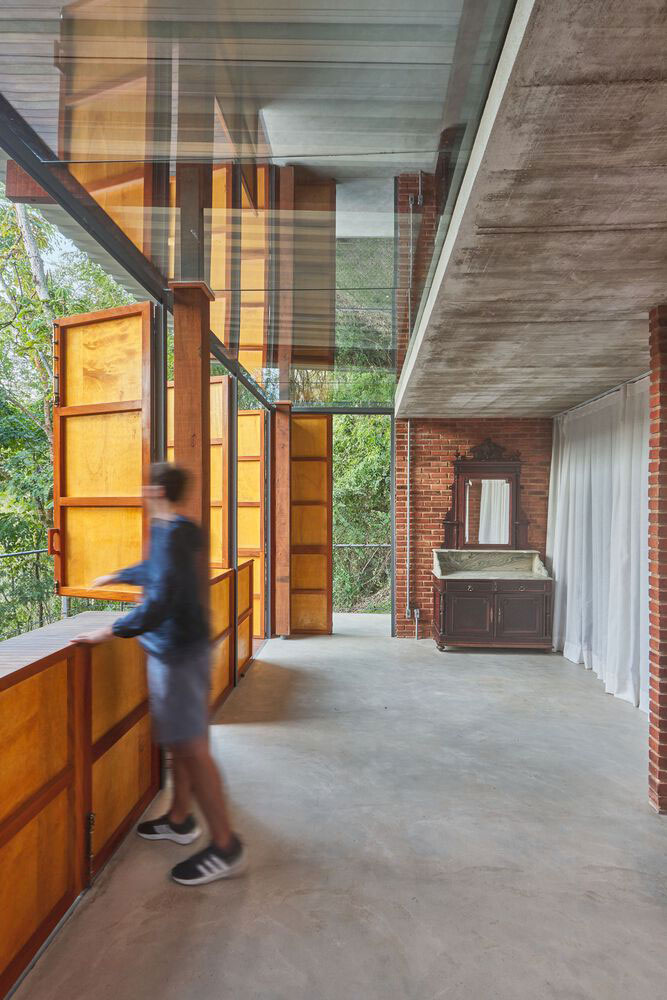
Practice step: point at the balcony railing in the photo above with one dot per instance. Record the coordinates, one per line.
(27, 595)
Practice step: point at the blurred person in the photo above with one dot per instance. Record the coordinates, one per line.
(172, 626)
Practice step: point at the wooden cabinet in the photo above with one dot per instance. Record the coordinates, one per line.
(500, 613)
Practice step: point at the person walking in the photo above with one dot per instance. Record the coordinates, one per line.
(172, 625)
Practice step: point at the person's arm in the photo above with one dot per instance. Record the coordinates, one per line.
(131, 574)
(154, 608)
(135, 575)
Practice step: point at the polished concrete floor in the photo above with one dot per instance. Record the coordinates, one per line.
(460, 826)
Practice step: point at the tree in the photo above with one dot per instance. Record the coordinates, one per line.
(42, 276)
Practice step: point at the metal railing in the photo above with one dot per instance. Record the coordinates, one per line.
(27, 595)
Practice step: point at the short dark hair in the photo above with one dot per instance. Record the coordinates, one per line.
(172, 478)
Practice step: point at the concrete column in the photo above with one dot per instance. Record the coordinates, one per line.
(658, 561)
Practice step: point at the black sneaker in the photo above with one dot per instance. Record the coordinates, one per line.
(211, 864)
(163, 829)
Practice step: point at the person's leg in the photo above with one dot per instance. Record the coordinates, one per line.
(206, 784)
(181, 804)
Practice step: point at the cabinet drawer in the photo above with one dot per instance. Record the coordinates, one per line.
(471, 586)
(524, 586)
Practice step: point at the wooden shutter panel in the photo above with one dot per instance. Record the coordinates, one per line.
(311, 513)
(250, 522)
(102, 446)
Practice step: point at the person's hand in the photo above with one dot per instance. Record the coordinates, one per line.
(102, 581)
(94, 637)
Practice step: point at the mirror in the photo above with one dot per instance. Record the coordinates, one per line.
(487, 511)
(486, 500)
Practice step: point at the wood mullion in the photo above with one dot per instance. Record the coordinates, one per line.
(86, 409)
(27, 811)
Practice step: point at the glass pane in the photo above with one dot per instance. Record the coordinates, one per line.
(304, 162)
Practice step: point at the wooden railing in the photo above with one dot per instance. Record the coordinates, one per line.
(244, 615)
(78, 768)
(77, 763)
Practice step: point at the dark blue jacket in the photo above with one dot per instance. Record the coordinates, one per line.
(171, 615)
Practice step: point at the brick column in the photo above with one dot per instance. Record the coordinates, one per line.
(657, 541)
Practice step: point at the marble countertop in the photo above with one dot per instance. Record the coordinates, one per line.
(488, 564)
(493, 574)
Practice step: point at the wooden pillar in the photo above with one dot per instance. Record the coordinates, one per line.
(658, 561)
(282, 528)
(284, 243)
(192, 448)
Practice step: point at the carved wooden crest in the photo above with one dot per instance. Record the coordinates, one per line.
(489, 451)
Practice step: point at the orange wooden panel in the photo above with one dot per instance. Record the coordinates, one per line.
(220, 606)
(118, 672)
(258, 616)
(253, 362)
(33, 735)
(310, 571)
(250, 433)
(216, 535)
(219, 313)
(36, 873)
(103, 455)
(221, 677)
(309, 525)
(217, 466)
(121, 776)
(251, 332)
(217, 398)
(244, 643)
(103, 361)
(257, 573)
(100, 540)
(249, 489)
(310, 436)
(253, 279)
(310, 481)
(250, 527)
(243, 589)
(310, 612)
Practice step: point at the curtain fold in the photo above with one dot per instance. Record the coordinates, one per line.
(597, 539)
(494, 512)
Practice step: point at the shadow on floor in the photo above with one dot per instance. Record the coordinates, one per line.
(279, 694)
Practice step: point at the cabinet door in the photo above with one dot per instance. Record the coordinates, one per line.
(469, 616)
(520, 617)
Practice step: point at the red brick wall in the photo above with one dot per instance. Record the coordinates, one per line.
(424, 225)
(434, 447)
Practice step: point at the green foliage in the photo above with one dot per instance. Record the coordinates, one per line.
(58, 281)
(361, 512)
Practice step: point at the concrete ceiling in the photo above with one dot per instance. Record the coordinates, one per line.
(558, 245)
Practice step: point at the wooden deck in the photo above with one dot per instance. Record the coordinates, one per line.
(25, 654)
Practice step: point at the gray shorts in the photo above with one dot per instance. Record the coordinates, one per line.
(178, 690)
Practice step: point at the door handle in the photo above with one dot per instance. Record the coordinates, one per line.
(500, 616)
(50, 539)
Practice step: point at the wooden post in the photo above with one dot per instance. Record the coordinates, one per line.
(192, 446)
(282, 528)
(284, 242)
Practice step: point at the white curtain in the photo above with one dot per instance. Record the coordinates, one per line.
(494, 512)
(597, 539)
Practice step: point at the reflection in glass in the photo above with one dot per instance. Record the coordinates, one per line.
(487, 512)
(304, 164)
